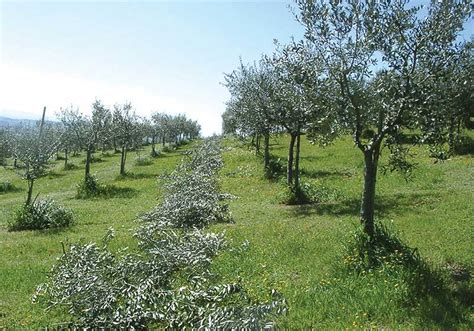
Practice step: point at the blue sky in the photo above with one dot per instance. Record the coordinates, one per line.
(165, 56)
(161, 55)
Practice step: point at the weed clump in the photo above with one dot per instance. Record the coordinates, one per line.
(143, 161)
(94, 159)
(6, 186)
(41, 214)
(382, 249)
(384, 266)
(274, 169)
(168, 148)
(300, 195)
(70, 166)
(154, 153)
(90, 187)
(93, 188)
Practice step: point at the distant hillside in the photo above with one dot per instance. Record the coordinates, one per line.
(12, 122)
(6, 121)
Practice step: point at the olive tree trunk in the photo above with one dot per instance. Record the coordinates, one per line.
(65, 158)
(289, 172)
(31, 181)
(123, 160)
(88, 162)
(266, 152)
(297, 161)
(257, 144)
(153, 150)
(371, 158)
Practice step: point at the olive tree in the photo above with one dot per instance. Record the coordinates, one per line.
(71, 133)
(96, 129)
(33, 150)
(298, 99)
(126, 131)
(452, 97)
(250, 111)
(380, 54)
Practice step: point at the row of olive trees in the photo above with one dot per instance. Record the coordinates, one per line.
(371, 68)
(32, 146)
(120, 129)
(164, 128)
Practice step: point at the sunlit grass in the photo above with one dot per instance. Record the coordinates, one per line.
(297, 250)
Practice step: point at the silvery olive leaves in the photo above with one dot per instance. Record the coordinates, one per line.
(166, 282)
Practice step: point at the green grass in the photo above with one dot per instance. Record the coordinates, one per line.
(296, 249)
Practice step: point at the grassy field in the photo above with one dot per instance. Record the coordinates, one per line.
(294, 249)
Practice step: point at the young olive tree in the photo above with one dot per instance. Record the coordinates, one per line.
(250, 108)
(193, 129)
(96, 129)
(452, 97)
(74, 130)
(297, 99)
(69, 142)
(381, 54)
(164, 123)
(126, 131)
(33, 150)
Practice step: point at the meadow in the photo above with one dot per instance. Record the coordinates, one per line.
(297, 250)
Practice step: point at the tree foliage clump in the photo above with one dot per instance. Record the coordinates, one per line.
(167, 282)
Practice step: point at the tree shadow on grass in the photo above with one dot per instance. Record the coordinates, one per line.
(445, 303)
(325, 173)
(313, 158)
(107, 192)
(384, 205)
(465, 146)
(277, 146)
(94, 159)
(108, 154)
(54, 174)
(113, 191)
(435, 296)
(132, 175)
(169, 154)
